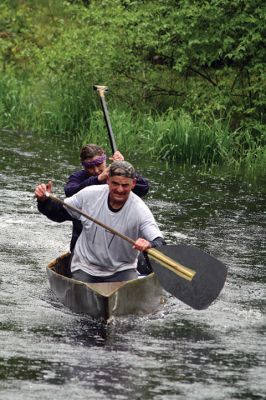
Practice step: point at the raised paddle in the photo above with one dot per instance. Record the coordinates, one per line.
(101, 90)
(186, 272)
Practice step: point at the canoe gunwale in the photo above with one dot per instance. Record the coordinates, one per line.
(140, 296)
(92, 286)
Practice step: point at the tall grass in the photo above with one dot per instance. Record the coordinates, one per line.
(176, 137)
(55, 108)
(72, 110)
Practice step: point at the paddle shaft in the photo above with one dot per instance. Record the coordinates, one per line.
(101, 91)
(75, 209)
(167, 262)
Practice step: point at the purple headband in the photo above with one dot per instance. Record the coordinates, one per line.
(98, 161)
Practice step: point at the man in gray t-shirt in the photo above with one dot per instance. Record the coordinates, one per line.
(99, 255)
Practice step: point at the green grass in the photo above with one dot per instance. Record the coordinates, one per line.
(72, 110)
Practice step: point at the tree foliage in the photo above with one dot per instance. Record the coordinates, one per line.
(207, 58)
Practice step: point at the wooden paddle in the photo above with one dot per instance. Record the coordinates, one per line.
(210, 273)
(186, 272)
(101, 90)
(207, 283)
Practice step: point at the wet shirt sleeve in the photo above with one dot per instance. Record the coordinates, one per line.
(77, 201)
(149, 229)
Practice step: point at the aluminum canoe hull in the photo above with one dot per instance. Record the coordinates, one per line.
(140, 296)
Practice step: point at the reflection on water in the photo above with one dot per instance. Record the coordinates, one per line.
(178, 353)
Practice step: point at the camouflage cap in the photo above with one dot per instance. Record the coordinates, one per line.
(122, 168)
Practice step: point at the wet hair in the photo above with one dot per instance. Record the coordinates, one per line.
(122, 168)
(90, 151)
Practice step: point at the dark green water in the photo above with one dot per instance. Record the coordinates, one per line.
(47, 352)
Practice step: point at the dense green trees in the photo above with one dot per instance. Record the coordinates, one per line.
(205, 59)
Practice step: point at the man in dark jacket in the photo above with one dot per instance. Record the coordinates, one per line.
(95, 172)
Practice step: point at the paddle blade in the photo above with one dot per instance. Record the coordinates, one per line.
(205, 286)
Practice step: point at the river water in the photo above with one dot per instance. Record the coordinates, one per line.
(48, 352)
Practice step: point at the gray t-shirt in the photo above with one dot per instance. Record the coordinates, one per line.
(99, 252)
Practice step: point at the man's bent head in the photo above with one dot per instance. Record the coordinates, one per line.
(122, 168)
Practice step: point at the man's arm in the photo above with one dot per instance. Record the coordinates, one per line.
(151, 236)
(158, 242)
(143, 244)
(54, 211)
(142, 186)
(79, 180)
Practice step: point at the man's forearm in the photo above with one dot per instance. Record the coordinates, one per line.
(54, 211)
(158, 242)
(142, 186)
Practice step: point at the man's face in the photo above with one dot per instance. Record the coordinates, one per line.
(119, 189)
(96, 169)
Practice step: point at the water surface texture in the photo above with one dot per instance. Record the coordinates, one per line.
(48, 352)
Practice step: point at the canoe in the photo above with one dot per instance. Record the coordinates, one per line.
(140, 296)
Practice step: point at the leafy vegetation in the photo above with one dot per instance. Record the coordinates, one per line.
(187, 78)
